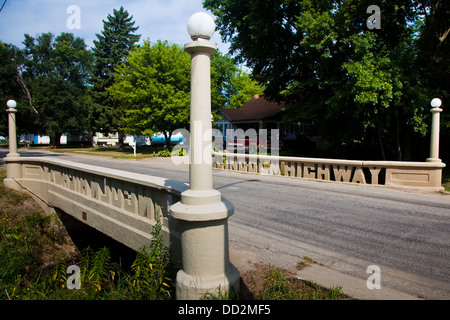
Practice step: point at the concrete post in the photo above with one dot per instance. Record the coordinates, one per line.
(12, 139)
(202, 212)
(13, 170)
(435, 128)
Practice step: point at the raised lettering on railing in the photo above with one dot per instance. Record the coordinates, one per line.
(337, 170)
(136, 199)
(374, 172)
(342, 173)
(323, 172)
(358, 176)
(309, 171)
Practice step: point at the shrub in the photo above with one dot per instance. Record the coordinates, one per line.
(164, 153)
(102, 279)
(22, 276)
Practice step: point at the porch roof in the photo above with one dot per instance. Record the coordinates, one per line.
(257, 108)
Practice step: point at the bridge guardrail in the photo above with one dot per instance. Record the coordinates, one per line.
(121, 204)
(411, 175)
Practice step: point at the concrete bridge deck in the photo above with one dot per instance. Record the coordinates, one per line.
(343, 227)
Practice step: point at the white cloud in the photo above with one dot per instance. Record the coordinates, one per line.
(157, 19)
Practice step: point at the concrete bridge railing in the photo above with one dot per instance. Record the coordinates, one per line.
(412, 175)
(120, 204)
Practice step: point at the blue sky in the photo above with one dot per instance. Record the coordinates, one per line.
(157, 19)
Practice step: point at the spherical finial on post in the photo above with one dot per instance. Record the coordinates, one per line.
(201, 26)
(11, 104)
(436, 103)
(12, 139)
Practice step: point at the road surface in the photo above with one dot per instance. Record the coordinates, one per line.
(343, 227)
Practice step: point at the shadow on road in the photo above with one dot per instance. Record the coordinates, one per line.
(239, 182)
(28, 153)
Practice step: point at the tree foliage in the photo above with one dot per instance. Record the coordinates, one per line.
(231, 86)
(112, 47)
(9, 87)
(61, 87)
(243, 88)
(154, 87)
(358, 85)
(55, 71)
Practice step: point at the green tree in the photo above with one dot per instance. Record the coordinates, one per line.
(433, 30)
(113, 46)
(9, 87)
(56, 70)
(222, 69)
(231, 86)
(356, 84)
(12, 86)
(154, 84)
(243, 88)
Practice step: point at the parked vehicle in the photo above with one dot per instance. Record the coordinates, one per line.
(161, 139)
(251, 145)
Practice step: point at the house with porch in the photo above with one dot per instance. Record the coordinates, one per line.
(260, 113)
(257, 113)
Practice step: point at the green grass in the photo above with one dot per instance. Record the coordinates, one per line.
(33, 262)
(278, 287)
(446, 178)
(274, 283)
(114, 152)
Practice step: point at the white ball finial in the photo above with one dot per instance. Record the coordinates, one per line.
(436, 103)
(201, 26)
(11, 104)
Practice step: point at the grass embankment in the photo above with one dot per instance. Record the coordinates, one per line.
(446, 178)
(114, 152)
(36, 251)
(271, 283)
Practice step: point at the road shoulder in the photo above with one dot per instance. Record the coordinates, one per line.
(245, 259)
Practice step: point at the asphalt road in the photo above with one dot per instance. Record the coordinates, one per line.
(345, 227)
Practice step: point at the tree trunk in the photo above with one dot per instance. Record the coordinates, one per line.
(380, 142)
(398, 147)
(167, 136)
(55, 139)
(407, 144)
(25, 90)
(121, 135)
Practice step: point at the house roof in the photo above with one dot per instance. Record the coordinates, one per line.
(257, 108)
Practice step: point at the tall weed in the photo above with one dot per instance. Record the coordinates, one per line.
(22, 276)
